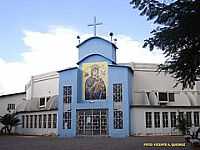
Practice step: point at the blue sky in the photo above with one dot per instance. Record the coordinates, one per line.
(38, 36)
(37, 15)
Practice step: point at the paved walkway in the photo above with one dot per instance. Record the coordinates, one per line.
(88, 143)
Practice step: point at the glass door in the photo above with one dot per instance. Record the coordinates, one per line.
(92, 122)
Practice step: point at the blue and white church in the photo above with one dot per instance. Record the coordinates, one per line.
(97, 94)
(100, 97)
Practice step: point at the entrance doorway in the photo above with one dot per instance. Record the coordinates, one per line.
(92, 122)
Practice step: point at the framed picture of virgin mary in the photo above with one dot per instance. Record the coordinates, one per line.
(95, 76)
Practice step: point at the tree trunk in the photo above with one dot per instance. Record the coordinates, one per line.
(9, 129)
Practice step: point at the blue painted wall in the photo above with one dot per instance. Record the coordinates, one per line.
(102, 51)
(96, 45)
(67, 78)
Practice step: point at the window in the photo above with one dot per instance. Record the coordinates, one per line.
(31, 121)
(157, 119)
(196, 119)
(67, 119)
(27, 121)
(181, 115)
(171, 97)
(148, 120)
(42, 102)
(23, 121)
(165, 119)
(173, 119)
(117, 92)
(162, 96)
(48, 98)
(40, 121)
(118, 119)
(148, 93)
(67, 94)
(54, 120)
(49, 120)
(188, 119)
(44, 121)
(11, 107)
(35, 122)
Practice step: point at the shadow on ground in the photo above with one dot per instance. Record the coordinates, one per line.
(91, 143)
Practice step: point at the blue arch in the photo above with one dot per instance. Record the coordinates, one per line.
(95, 55)
(96, 37)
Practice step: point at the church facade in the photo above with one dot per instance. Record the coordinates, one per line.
(100, 97)
(95, 97)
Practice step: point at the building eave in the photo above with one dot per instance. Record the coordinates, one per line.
(159, 106)
(35, 111)
(12, 94)
(96, 37)
(67, 69)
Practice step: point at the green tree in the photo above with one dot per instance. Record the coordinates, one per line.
(177, 34)
(182, 124)
(9, 121)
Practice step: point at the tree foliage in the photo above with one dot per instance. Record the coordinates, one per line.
(9, 121)
(182, 124)
(177, 35)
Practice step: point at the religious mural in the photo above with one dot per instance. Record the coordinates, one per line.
(95, 76)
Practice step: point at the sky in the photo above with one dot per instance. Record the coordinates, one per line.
(39, 36)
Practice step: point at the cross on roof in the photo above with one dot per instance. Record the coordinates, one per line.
(95, 24)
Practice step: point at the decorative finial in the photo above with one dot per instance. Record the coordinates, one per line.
(115, 41)
(95, 25)
(111, 35)
(78, 37)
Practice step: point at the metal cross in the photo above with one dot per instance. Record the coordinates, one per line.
(95, 25)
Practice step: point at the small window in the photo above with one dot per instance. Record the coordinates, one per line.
(40, 121)
(11, 107)
(171, 97)
(23, 121)
(117, 92)
(49, 120)
(42, 102)
(165, 119)
(173, 119)
(48, 98)
(31, 121)
(188, 119)
(67, 119)
(67, 94)
(44, 121)
(118, 119)
(181, 115)
(54, 120)
(148, 93)
(196, 119)
(35, 121)
(157, 119)
(148, 116)
(27, 121)
(162, 96)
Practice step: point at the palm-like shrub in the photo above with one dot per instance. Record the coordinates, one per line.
(9, 121)
(182, 124)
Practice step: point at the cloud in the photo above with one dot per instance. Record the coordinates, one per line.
(55, 50)
(131, 50)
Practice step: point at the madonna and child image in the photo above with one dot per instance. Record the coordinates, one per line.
(95, 80)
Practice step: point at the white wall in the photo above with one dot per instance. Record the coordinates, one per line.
(10, 99)
(138, 120)
(148, 80)
(45, 85)
(37, 131)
